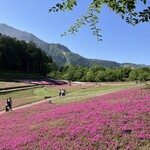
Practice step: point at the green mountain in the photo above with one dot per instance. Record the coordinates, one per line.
(60, 53)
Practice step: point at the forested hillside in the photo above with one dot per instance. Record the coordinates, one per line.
(22, 56)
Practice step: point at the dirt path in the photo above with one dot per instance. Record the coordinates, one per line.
(31, 104)
(35, 103)
(39, 102)
(47, 100)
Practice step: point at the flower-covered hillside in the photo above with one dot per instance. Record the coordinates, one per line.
(120, 120)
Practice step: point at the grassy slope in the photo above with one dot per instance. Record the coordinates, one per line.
(74, 93)
(91, 92)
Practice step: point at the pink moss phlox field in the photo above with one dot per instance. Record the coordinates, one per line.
(120, 120)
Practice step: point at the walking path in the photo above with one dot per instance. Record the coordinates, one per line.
(34, 103)
(48, 99)
(31, 104)
(17, 88)
(38, 102)
(41, 101)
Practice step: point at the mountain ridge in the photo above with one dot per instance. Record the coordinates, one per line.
(61, 54)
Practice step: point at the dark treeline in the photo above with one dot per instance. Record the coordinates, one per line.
(101, 74)
(21, 56)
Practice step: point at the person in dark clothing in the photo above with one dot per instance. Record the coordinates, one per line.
(10, 101)
(7, 107)
(63, 92)
(9, 104)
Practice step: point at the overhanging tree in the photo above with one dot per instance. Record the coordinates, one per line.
(125, 8)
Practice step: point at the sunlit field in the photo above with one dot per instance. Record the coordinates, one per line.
(75, 92)
(35, 94)
(90, 116)
(118, 120)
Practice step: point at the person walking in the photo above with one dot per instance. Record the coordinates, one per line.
(10, 103)
(7, 105)
(63, 92)
(59, 92)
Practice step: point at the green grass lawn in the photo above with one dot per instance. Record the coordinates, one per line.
(4, 84)
(74, 93)
(91, 92)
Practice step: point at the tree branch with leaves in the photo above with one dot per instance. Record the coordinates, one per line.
(125, 8)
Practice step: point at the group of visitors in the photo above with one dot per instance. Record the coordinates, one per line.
(62, 92)
(9, 104)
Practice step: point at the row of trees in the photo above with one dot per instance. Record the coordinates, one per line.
(101, 74)
(22, 56)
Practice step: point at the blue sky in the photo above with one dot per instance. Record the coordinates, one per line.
(121, 41)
